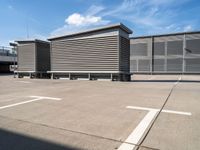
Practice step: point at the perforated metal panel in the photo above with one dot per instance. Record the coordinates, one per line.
(159, 48)
(139, 49)
(175, 48)
(144, 65)
(192, 65)
(133, 66)
(159, 65)
(175, 65)
(193, 46)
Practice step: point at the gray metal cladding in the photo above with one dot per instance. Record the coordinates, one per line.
(43, 56)
(124, 54)
(87, 54)
(26, 57)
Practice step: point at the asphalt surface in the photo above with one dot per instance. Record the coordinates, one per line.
(98, 115)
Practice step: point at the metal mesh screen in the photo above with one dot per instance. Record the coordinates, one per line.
(192, 65)
(139, 49)
(174, 65)
(175, 48)
(144, 65)
(133, 65)
(193, 46)
(159, 65)
(159, 48)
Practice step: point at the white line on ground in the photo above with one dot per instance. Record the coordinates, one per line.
(166, 111)
(23, 81)
(43, 97)
(138, 132)
(37, 98)
(142, 127)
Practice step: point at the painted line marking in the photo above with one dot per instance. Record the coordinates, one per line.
(23, 81)
(166, 111)
(137, 134)
(37, 98)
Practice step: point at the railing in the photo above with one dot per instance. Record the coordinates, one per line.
(7, 51)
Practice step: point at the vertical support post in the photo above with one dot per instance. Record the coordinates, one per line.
(165, 61)
(184, 47)
(52, 76)
(111, 76)
(69, 76)
(88, 76)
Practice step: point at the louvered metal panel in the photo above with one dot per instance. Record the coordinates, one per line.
(26, 57)
(124, 54)
(91, 54)
(43, 56)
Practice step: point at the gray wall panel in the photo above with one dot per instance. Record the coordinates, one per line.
(91, 54)
(26, 57)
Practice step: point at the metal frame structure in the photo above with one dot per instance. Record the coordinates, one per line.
(177, 53)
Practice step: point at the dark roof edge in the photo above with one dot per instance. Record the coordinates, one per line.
(32, 40)
(168, 34)
(120, 25)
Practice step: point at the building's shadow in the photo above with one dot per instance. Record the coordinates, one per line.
(15, 141)
(184, 81)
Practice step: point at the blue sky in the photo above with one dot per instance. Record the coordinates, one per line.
(41, 19)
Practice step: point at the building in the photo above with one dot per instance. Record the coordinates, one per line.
(93, 54)
(33, 58)
(7, 58)
(168, 53)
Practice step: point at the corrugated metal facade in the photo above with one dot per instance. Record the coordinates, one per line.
(33, 56)
(26, 57)
(175, 53)
(103, 51)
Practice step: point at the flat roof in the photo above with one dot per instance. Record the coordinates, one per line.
(120, 25)
(31, 41)
(168, 34)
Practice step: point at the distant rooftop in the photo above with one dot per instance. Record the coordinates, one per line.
(120, 25)
(168, 34)
(30, 41)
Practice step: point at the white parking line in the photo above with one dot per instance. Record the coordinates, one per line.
(23, 81)
(137, 134)
(37, 98)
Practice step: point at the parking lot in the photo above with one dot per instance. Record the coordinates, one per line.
(151, 112)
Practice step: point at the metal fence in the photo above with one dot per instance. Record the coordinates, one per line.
(7, 51)
(166, 54)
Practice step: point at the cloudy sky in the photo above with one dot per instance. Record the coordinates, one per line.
(21, 19)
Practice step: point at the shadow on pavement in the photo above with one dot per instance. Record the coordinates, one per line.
(185, 81)
(15, 141)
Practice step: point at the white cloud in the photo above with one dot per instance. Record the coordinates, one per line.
(151, 16)
(188, 28)
(80, 20)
